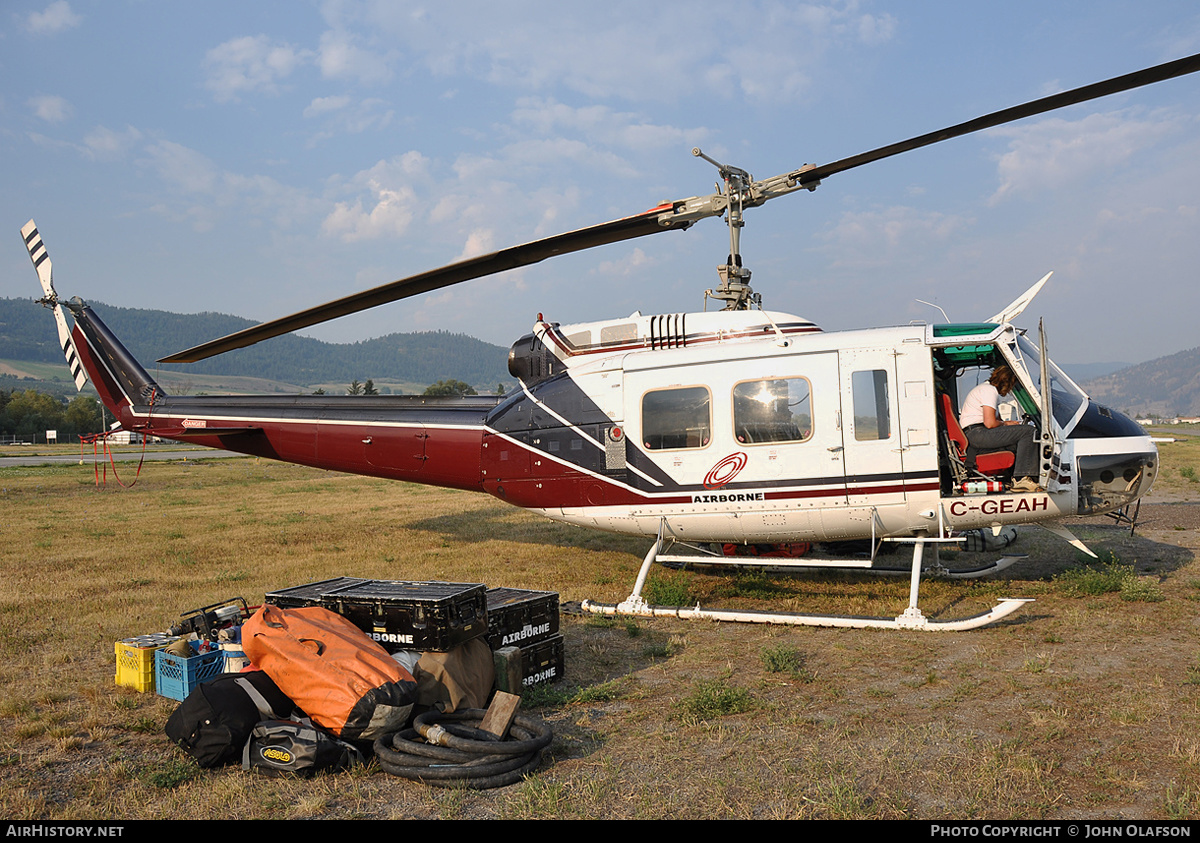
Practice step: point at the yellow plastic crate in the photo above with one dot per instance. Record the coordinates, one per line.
(135, 660)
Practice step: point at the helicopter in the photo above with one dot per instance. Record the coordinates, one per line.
(715, 434)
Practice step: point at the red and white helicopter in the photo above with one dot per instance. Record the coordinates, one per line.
(741, 426)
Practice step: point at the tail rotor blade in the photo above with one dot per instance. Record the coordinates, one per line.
(40, 258)
(41, 262)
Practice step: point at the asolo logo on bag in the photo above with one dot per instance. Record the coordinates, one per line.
(276, 755)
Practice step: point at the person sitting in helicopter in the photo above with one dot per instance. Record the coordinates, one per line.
(986, 431)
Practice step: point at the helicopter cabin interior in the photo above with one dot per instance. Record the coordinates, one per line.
(958, 369)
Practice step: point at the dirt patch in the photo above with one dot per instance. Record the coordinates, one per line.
(6, 369)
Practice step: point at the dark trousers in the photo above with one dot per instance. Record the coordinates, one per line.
(1018, 438)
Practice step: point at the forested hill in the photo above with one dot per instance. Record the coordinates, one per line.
(27, 333)
(1167, 386)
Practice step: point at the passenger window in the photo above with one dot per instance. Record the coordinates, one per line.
(872, 420)
(778, 410)
(676, 418)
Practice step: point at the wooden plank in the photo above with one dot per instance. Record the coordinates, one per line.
(500, 714)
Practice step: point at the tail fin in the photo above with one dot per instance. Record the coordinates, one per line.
(41, 262)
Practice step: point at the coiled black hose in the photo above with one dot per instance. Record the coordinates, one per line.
(446, 750)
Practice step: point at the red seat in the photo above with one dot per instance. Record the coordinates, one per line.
(995, 462)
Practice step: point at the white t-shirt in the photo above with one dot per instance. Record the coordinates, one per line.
(984, 395)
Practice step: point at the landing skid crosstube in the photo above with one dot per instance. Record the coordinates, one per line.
(911, 618)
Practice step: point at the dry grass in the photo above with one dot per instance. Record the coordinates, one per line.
(1084, 706)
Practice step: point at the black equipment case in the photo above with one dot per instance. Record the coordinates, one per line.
(313, 594)
(423, 616)
(542, 662)
(518, 618)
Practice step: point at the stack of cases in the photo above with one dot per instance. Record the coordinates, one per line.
(527, 620)
(422, 616)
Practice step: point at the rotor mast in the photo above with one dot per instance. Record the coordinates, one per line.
(738, 191)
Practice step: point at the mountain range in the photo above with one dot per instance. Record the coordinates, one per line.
(1168, 386)
(27, 333)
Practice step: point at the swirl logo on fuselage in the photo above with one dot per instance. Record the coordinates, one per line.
(725, 470)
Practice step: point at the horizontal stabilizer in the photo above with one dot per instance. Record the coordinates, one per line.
(193, 432)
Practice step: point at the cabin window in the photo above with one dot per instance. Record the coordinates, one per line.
(776, 410)
(872, 419)
(676, 418)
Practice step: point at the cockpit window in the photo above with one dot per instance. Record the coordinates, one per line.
(1067, 400)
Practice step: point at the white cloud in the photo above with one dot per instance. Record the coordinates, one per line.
(625, 49)
(387, 203)
(634, 263)
(102, 143)
(342, 56)
(1051, 153)
(56, 17)
(479, 242)
(341, 115)
(51, 109)
(389, 215)
(868, 238)
(324, 105)
(186, 169)
(195, 189)
(249, 64)
(876, 29)
(600, 125)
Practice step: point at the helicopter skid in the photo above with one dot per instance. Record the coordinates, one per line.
(911, 618)
(782, 566)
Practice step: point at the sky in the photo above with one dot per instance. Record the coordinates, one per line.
(260, 158)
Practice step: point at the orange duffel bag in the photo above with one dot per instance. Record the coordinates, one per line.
(345, 682)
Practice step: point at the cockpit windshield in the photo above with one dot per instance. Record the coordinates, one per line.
(1068, 400)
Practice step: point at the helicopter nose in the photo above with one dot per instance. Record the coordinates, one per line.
(1115, 458)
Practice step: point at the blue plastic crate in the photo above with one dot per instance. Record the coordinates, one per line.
(176, 677)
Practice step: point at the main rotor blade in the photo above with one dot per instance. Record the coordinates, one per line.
(639, 225)
(1137, 79)
(673, 215)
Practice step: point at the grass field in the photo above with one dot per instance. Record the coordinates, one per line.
(1086, 705)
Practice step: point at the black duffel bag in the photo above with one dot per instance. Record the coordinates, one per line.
(213, 724)
(277, 747)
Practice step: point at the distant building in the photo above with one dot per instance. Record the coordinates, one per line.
(127, 437)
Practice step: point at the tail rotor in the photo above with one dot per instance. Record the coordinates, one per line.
(41, 262)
